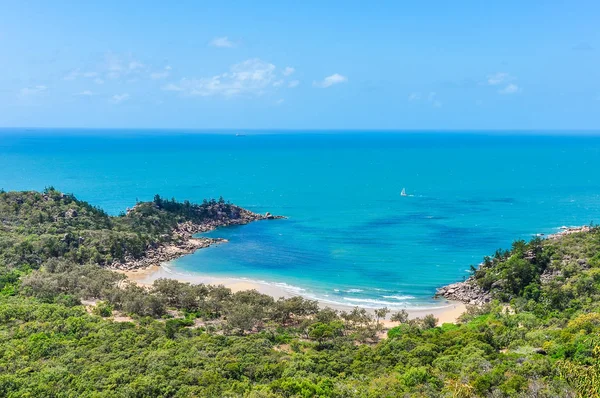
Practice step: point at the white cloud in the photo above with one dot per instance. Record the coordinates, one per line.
(77, 73)
(278, 83)
(32, 91)
(222, 42)
(288, 71)
(510, 89)
(498, 78)
(329, 81)
(72, 75)
(118, 66)
(433, 100)
(118, 98)
(280, 101)
(159, 75)
(503, 79)
(114, 66)
(430, 98)
(134, 65)
(162, 74)
(85, 93)
(293, 83)
(252, 76)
(172, 87)
(414, 96)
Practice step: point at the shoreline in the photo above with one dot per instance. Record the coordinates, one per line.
(469, 292)
(183, 240)
(448, 311)
(456, 295)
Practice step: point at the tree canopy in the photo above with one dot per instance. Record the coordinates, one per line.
(69, 327)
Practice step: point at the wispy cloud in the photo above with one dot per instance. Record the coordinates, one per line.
(32, 91)
(498, 78)
(251, 77)
(432, 98)
(114, 66)
(77, 73)
(172, 87)
(118, 66)
(222, 42)
(414, 97)
(288, 71)
(293, 83)
(510, 89)
(429, 98)
(279, 101)
(163, 74)
(329, 81)
(118, 98)
(503, 79)
(85, 93)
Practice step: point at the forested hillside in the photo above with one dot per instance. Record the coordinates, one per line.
(70, 327)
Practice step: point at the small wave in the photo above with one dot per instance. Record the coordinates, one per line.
(354, 291)
(325, 298)
(167, 269)
(281, 285)
(369, 301)
(286, 286)
(373, 304)
(399, 297)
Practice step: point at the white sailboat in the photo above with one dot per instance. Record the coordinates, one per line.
(403, 193)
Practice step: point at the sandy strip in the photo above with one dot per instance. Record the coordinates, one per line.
(448, 313)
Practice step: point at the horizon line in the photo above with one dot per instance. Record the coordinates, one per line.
(310, 130)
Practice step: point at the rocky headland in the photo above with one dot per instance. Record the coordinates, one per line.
(182, 241)
(469, 292)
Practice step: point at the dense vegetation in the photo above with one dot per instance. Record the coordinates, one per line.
(37, 226)
(539, 338)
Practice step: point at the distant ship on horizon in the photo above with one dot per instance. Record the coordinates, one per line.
(403, 193)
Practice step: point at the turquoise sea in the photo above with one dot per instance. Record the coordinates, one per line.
(350, 237)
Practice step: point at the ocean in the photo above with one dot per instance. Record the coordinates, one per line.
(350, 237)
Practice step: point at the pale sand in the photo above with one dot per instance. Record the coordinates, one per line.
(448, 312)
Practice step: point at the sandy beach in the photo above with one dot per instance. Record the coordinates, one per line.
(448, 311)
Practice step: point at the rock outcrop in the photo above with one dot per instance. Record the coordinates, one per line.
(182, 240)
(467, 292)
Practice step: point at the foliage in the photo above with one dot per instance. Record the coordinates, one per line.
(539, 338)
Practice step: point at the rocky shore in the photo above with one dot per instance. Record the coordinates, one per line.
(181, 242)
(469, 292)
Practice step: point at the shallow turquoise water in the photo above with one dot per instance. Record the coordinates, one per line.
(350, 237)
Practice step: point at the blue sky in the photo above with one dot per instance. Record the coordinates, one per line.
(300, 65)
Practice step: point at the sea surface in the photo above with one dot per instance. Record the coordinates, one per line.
(350, 237)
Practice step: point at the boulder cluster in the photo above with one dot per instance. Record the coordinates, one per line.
(182, 240)
(467, 292)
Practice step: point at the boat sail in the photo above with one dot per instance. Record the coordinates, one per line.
(403, 193)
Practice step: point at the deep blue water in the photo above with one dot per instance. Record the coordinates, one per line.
(350, 236)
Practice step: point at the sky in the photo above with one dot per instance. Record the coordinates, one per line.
(398, 65)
